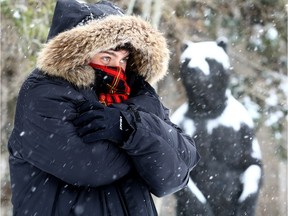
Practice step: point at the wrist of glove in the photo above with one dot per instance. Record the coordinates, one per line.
(98, 122)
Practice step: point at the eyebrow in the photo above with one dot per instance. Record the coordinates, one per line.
(113, 53)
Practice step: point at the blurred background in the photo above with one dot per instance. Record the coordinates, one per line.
(257, 45)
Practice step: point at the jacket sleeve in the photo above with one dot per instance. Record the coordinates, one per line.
(162, 154)
(46, 138)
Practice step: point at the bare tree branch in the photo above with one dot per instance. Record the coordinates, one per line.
(157, 13)
(130, 7)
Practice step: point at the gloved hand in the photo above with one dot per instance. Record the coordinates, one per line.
(98, 122)
(144, 97)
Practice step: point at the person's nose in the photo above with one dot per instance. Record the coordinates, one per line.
(117, 63)
(114, 62)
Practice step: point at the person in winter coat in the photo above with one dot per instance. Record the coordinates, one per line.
(93, 138)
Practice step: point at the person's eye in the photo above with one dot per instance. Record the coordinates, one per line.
(124, 61)
(106, 59)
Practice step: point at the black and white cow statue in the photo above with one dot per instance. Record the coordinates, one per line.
(227, 180)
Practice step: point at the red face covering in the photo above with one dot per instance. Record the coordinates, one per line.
(111, 84)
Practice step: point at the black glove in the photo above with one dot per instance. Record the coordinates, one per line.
(98, 122)
(144, 97)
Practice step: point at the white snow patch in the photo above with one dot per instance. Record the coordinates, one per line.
(178, 116)
(274, 118)
(197, 53)
(234, 114)
(187, 124)
(250, 179)
(256, 35)
(189, 127)
(256, 151)
(284, 85)
(81, 1)
(252, 107)
(3, 166)
(16, 14)
(195, 190)
(272, 100)
(272, 33)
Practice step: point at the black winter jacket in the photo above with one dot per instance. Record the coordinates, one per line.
(53, 172)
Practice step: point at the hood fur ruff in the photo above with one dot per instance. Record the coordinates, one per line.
(67, 55)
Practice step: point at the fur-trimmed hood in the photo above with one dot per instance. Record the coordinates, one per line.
(67, 55)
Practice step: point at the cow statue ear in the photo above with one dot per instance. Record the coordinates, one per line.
(222, 42)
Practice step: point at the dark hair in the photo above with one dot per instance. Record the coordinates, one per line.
(131, 66)
(126, 46)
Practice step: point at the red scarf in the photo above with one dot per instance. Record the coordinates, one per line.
(111, 84)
